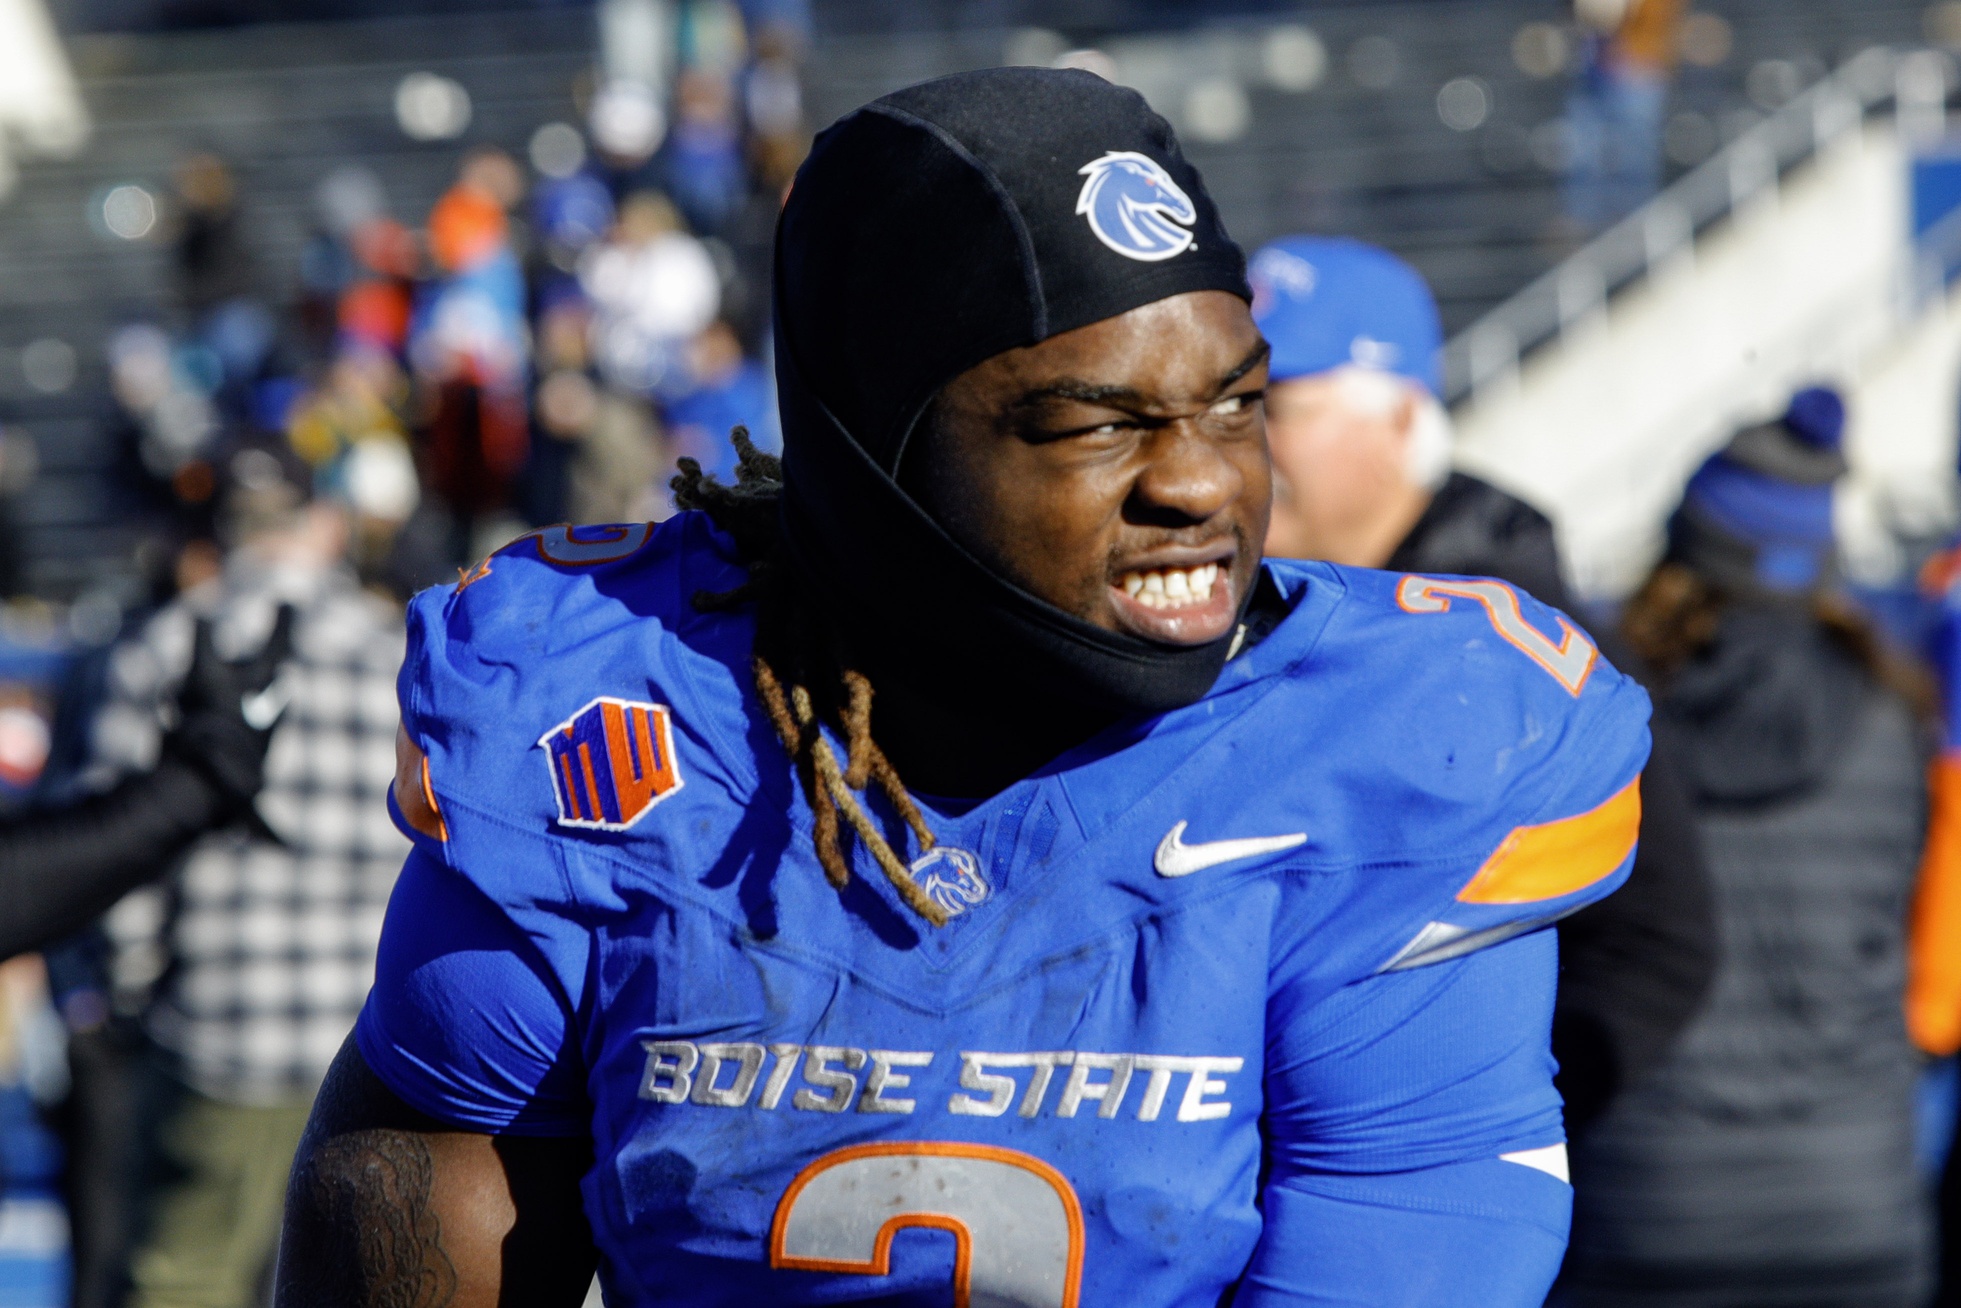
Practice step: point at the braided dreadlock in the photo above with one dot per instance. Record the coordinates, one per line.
(803, 676)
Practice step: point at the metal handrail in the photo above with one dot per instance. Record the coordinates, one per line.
(1491, 348)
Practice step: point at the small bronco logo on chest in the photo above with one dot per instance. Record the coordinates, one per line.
(611, 762)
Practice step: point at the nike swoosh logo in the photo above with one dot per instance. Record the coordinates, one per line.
(1177, 859)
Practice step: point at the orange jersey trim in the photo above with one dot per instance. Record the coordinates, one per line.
(557, 545)
(414, 794)
(1933, 999)
(1554, 859)
(468, 577)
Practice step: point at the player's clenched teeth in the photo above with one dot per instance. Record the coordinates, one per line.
(1170, 588)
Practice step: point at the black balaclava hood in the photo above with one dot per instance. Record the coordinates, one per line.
(927, 232)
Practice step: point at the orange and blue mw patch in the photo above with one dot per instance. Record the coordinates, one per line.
(611, 762)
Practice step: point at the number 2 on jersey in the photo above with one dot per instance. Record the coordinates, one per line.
(1015, 1220)
(572, 547)
(1570, 662)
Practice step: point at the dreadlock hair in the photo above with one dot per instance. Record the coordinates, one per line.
(803, 677)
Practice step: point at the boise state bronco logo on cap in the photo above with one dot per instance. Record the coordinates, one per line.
(611, 762)
(1135, 208)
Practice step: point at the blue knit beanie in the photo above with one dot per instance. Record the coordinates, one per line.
(1758, 514)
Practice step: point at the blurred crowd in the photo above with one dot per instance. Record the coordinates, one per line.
(1628, 52)
(541, 345)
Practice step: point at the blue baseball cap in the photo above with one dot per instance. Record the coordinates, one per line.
(1325, 301)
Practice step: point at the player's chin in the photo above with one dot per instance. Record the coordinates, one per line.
(1179, 619)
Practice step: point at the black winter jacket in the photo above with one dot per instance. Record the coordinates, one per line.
(1635, 966)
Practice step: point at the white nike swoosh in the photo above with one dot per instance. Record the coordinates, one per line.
(1177, 859)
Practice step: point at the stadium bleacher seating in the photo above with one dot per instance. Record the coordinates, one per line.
(285, 103)
(283, 106)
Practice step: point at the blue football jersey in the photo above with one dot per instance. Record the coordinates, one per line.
(1244, 999)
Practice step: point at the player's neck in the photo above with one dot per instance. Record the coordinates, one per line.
(970, 746)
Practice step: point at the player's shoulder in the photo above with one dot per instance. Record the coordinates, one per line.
(558, 602)
(1491, 631)
(1473, 757)
(560, 586)
(561, 625)
(1472, 662)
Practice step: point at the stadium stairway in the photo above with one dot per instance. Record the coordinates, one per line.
(1785, 259)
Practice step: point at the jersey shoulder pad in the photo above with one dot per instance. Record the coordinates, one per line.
(568, 641)
(1499, 760)
(561, 586)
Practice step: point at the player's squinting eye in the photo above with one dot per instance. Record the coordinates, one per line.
(1234, 405)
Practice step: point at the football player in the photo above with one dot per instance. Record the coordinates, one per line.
(951, 867)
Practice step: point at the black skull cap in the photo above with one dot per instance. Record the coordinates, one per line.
(945, 223)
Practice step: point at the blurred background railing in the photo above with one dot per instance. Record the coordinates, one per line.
(1729, 180)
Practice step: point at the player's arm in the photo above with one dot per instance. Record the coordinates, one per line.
(388, 1206)
(1415, 1152)
(442, 1163)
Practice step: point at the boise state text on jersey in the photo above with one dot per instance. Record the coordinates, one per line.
(1230, 997)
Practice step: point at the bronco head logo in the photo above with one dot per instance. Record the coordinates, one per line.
(1135, 208)
(951, 878)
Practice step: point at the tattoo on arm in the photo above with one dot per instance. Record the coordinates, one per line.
(368, 1199)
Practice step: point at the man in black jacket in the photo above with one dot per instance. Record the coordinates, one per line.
(1362, 476)
(62, 867)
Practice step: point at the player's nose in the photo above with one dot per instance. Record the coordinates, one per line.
(1186, 479)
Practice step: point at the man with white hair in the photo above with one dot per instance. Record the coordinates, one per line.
(1361, 443)
(1362, 476)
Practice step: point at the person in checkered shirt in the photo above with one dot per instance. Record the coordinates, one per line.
(264, 948)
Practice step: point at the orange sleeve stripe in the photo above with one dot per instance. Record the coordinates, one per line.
(1933, 1002)
(414, 795)
(1553, 859)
